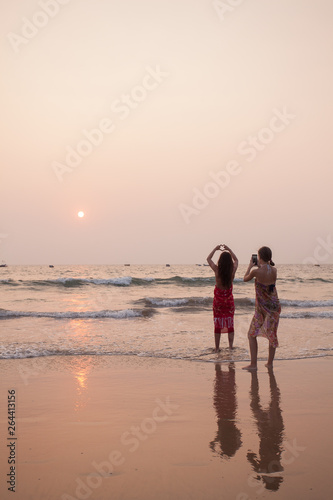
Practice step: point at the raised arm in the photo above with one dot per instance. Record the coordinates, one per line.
(250, 273)
(234, 258)
(210, 256)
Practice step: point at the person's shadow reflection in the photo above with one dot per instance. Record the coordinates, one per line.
(270, 430)
(228, 436)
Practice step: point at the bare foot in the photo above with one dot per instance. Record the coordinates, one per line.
(269, 366)
(217, 350)
(250, 367)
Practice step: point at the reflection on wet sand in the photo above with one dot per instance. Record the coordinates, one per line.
(81, 366)
(270, 431)
(228, 436)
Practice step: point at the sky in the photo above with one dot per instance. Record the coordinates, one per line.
(174, 125)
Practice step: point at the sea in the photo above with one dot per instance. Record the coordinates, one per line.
(159, 311)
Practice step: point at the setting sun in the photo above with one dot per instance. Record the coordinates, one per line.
(80, 214)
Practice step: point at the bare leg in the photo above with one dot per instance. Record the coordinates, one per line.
(217, 341)
(271, 354)
(254, 354)
(231, 336)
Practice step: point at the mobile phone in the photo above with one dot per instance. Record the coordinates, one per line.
(255, 259)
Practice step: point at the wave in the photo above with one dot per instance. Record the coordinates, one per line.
(121, 314)
(179, 302)
(187, 281)
(306, 303)
(248, 302)
(299, 279)
(238, 355)
(243, 302)
(150, 305)
(307, 314)
(118, 281)
(77, 282)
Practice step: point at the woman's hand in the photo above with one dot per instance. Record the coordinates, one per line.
(250, 274)
(210, 256)
(251, 264)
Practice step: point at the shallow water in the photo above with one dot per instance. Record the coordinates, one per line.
(154, 311)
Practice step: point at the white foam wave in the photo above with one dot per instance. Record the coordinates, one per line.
(167, 302)
(308, 314)
(122, 314)
(124, 281)
(39, 351)
(192, 301)
(306, 303)
(121, 281)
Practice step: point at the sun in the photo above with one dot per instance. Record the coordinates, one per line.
(80, 214)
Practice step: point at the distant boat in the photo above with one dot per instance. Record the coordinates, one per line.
(317, 265)
(51, 265)
(167, 265)
(3, 264)
(127, 264)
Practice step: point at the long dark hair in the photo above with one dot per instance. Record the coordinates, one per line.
(265, 253)
(225, 269)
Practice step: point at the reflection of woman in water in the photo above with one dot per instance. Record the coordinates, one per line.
(228, 436)
(270, 430)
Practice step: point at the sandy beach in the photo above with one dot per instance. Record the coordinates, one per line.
(122, 427)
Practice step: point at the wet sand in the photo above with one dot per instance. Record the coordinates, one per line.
(128, 428)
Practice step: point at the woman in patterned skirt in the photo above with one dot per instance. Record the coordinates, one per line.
(267, 309)
(223, 304)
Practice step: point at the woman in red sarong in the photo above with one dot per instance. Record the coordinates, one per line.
(223, 304)
(266, 317)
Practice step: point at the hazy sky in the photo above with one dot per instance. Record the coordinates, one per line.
(174, 125)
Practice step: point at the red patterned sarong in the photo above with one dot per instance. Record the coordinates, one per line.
(224, 310)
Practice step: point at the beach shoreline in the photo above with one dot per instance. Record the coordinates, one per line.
(133, 427)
